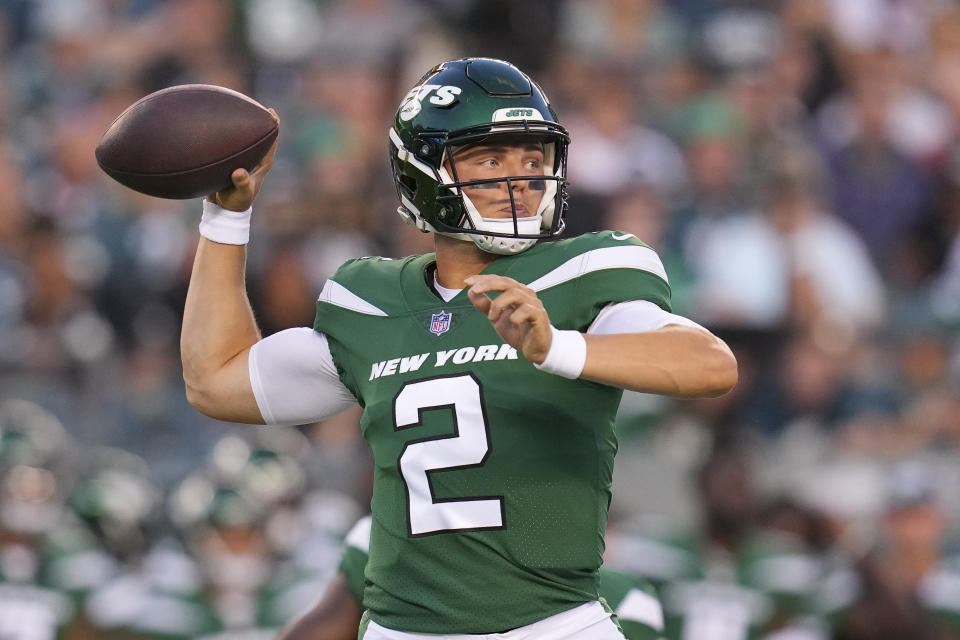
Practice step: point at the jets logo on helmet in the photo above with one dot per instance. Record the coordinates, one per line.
(412, 103)
(513, 113)
(468, 102)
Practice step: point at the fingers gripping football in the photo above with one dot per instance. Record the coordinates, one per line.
(517, 314)
(246, 184)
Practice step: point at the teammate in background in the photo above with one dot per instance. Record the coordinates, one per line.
(337, 615)
(749, 574)
(490, 371)
(49, 561)
(908, 584)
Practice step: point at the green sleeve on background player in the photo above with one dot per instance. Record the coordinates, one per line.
(351, 566)
(635, 602)
(353, 562)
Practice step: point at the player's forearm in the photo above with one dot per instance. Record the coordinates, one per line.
(675, 360)
(218, 323)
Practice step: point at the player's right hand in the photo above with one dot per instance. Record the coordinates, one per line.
(246, 184)
(517, 314)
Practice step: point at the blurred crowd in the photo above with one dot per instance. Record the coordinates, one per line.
(795, 163)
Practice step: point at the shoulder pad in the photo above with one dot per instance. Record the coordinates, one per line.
(366, 285)
(594, 252)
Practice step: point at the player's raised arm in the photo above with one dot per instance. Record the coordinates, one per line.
(218, 323)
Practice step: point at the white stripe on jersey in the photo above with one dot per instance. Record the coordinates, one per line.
(625, 257)
(640, 606)
(337, 294)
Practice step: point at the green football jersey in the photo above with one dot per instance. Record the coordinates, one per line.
(492, 478)
(42, 583)
(634, 600)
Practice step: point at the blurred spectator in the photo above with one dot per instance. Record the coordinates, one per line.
(615, 151)
(644, 39)
(869, 24)
(738, 36)
(740, 274)
(814, 383)
(641, 210)
(524, 33)
(638, 33)
(902, 588)
(832, 279)
(880, 190)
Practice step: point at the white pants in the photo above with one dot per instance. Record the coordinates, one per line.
(589, 621)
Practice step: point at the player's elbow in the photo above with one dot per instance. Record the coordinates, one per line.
(718, 369)
(199, 376)
(221, 392)
(199, 397)
(201, 392)
(197, 394)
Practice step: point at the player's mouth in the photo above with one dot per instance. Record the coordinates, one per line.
(522, 211)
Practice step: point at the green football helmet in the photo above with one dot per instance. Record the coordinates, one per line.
(117, 499)
(34, 464)
(467, 102)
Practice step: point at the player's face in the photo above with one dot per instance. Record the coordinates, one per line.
(500, 160)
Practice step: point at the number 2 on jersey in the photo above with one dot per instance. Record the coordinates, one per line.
(467, 447)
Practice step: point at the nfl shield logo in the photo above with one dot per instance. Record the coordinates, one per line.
(440, 323)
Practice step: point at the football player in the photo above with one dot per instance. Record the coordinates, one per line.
(337, 615)
(490, 370)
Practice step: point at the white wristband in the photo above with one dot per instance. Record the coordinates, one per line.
(223, 225)
(567, 355)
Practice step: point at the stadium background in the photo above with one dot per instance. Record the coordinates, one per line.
(795, 163)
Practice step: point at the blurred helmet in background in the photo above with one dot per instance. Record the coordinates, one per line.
(34, 465)
(116, 498)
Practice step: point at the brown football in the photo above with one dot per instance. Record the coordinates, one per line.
(185, 141)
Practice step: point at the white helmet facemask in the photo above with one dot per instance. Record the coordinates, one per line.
(506, 242)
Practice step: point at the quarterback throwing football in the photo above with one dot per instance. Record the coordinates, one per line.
(489, 371)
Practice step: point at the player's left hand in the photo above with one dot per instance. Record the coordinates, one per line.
(517, 314)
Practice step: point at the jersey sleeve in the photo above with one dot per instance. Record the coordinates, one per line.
(636, 316)
(355, 555)
(294, 378)
(635, 602)
(640, 615)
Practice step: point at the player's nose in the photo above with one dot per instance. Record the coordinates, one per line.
(518, 185)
